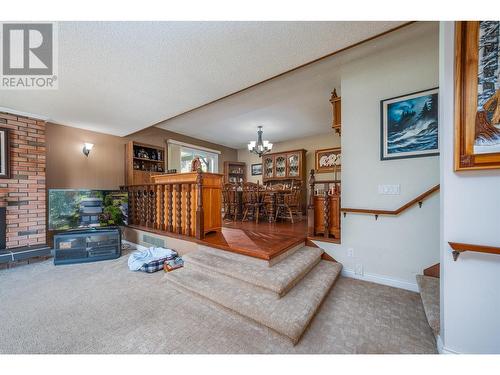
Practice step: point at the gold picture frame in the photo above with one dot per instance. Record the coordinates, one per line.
(326, 160)
(476, 114)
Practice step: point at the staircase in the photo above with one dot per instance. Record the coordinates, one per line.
(429, 292)
(283, 296)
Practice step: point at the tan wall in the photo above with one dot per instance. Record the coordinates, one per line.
(67, 167)
(310, 144)
(158, 137)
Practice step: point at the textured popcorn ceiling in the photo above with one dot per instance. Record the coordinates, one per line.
(294, 105)
(120, 77)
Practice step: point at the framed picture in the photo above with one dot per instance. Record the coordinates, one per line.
(409, 125)
(4, 153)
(328, 160)
(256, 169)
(477, 95)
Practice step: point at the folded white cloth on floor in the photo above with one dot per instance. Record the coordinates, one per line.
(138, 258)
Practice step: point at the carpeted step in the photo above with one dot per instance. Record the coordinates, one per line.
(252, 260)
(279, 278)
(288, 316)
(429, 292)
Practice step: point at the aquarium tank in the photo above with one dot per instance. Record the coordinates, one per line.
(72, 209)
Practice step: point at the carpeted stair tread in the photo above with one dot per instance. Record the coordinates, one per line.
(429, 292)
(252, 260)
(279, 278)
(288, 316)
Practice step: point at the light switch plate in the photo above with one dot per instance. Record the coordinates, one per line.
(389, 189)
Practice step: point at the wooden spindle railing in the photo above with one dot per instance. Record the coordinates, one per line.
(167, 207)
(323, 215)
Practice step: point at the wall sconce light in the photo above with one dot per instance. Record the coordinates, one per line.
(87, 147)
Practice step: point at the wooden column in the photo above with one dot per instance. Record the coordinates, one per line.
(178, 208)
(142, 204)
(152, 197)
(162, 225)
(188, 210)
(147, 203)
(200, 227)
(310, 207)
(131, 206)
(170, 216)
(326, 214)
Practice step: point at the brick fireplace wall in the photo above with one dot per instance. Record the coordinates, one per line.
(24, 194)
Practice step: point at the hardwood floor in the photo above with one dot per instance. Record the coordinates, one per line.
(263, 240)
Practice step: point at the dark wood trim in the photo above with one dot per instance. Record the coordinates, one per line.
(324, 239)
(328, 258)
(467, 117)
(7, 174)
(290, 70)
(459, 248)
(262, 241)
(432, 271)
(414, 201)
(324, 256)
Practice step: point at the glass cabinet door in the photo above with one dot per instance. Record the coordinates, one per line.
(268, 167)
(280, 166)
(293, 162)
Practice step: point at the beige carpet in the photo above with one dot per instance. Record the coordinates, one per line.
(429, 291)
(288, 315)
(104, 308)
(279, 278)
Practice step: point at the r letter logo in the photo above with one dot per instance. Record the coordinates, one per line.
(29, 58)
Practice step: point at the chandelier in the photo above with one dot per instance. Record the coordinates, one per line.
(260, 147)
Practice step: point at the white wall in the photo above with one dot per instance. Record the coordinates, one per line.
(317, 142)
(391, 250)
(470, 213)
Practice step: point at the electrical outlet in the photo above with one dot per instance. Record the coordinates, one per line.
(389, 189)
(358, 269)
(350, 252)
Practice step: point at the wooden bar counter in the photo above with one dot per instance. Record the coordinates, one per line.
(188, 203)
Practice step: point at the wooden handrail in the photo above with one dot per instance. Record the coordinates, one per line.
(418, 200)
(461, 247)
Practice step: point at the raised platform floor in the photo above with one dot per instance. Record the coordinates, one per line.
(264, 241)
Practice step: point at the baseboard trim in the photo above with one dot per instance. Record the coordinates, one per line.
(379, 279)
(441, 348)
(136, 245)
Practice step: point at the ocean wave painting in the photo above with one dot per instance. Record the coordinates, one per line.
(488, 80)
(410, 125)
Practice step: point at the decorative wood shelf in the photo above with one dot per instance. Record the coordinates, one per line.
(414, 201)
(461, 247)
(231, 171)
(145, 159)
(133, 173)
(336, 112)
